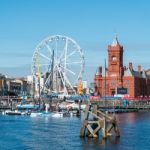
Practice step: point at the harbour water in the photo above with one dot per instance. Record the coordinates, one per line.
(47, 133)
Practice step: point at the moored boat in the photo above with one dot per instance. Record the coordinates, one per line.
(12, 112)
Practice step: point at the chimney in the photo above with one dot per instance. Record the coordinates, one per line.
(139, 68)
(130, 66)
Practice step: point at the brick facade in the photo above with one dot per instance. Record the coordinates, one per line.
(119, 76)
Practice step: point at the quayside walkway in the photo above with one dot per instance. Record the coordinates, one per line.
(123, 104)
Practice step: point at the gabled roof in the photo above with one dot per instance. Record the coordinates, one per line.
(133, 73)
(137, 74)
(127, 72)
(101, 73)
(147, 73)
(97, 72)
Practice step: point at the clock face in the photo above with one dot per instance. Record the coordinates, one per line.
(114, 58)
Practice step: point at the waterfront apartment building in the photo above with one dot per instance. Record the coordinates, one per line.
(3, 85)
(13, 86)
(119, 79)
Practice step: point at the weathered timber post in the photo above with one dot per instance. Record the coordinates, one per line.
(104, 130)
(100, 121)
(94, 126)
(85, 122)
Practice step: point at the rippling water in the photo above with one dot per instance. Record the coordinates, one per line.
(47, 133)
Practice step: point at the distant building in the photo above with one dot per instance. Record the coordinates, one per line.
(14, 86)
(3, 85)
(120, 79)
(30, 79)
(85, 84)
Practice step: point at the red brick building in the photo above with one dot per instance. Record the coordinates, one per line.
(118, 77)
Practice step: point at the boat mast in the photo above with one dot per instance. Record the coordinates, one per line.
(39, 77)
(105, 80)
(52, 73)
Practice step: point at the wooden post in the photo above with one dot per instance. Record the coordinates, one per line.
(100, 120)
(83, 128)
(94, 125)
(104, 131)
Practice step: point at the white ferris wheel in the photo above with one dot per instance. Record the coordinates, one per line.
(57, 65)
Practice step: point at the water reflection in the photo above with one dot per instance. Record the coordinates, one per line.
(57, 134)
(102, 143)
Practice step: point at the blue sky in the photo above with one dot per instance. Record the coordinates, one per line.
(92, 24)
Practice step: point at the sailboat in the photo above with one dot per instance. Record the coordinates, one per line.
(44, 113)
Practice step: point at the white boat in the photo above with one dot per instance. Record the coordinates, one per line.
(60, 114)
(12, 112)
(39, 114)
(57, 114)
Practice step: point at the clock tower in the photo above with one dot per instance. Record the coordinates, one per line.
(115, 60)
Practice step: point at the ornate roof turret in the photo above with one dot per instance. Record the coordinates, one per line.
(115, 41)
(99, 71)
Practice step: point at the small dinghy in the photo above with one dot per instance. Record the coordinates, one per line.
(12, 112)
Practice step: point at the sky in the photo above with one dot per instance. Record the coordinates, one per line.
(91, 23)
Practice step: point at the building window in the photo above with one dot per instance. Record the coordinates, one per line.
(127, 83)
(113, 83)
